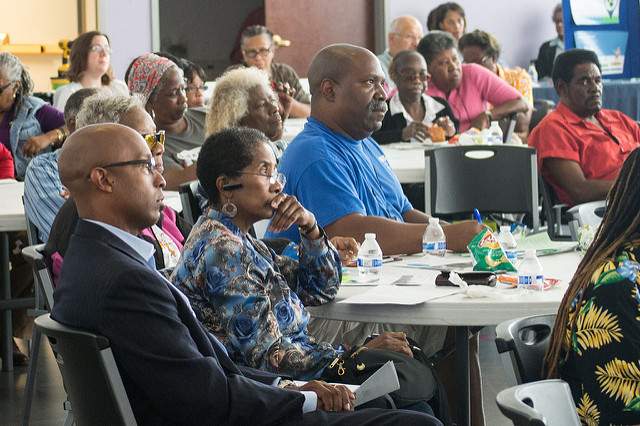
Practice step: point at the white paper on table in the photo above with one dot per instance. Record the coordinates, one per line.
(400, 295)
(438, 262)
(388, 277)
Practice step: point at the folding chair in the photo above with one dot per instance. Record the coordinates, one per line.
(191, 210)
(543, 403)
(44, 283)
(526, 340)
(90, 374)
(493, 179)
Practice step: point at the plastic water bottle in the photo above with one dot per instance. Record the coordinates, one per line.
(369, 259)
(530, 274)
(508, 243)
(495, 133)
(533, 72)
(433, 239)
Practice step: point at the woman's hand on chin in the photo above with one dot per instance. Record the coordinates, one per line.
(288, 211)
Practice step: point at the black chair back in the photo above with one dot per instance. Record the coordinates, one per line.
(90, 375)
(191, 210)
(554, 212)
(526, 340)
(33, 255)
(491, 178)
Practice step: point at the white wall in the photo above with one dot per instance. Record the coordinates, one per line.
(520, 26)
(128, 25)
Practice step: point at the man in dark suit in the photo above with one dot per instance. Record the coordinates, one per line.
(174, 372)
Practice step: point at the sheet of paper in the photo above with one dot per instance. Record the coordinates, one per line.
(400, 295)
(543, 244)
(380, 383)
(438, 262)
(389, 277)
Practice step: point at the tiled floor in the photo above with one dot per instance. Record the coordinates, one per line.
(49, 396)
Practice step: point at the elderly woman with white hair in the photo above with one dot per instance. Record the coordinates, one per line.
(161, 84)
(243, 97)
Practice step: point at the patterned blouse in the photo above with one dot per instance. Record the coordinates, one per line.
(603, 364)
(253, 300)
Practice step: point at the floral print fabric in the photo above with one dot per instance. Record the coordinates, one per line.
(603, 363)
(254, 300)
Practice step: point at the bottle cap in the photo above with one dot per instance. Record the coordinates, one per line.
(505, 228)
(433, 220)
(370, 236)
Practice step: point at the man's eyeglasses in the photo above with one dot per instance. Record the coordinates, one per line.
(252, 53)
(410, 76)
(150, 164)
(192, 88)
(154, 139)
(98, 48)
(412, 37)
(5, 87)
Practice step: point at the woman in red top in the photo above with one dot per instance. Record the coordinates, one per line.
(6, 163)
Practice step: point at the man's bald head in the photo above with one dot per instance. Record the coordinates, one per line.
(90, 147)
(405, 33)
(334, 62)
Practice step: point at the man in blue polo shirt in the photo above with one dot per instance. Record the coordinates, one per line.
(339, 173)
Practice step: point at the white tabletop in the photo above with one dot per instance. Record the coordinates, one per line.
(456, 309)
(293, 126)
(406, 160)
(11, 207)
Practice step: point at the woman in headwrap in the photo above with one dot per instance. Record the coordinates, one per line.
(161, 84)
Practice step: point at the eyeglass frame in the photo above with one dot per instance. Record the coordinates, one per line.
(276, 176)
(149, 162)
(192, 88)
(98, 48)
(154, 139)
(408, 36)
(254, 53)
(423, 76)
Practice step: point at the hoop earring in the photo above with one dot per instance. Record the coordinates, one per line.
(229, 209)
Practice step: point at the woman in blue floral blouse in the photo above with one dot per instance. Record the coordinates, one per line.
(252, 299)
(595, 345)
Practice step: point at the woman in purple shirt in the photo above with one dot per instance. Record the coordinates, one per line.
(475, 94)
(28, 125)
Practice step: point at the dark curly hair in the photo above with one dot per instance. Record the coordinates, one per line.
(483, 40)
(226, 153)
(565, 63)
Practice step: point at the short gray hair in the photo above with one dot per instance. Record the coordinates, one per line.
(230, 99)
(106, 108)
(434, 43)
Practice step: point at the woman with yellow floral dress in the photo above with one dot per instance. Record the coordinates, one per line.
(595, 345)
